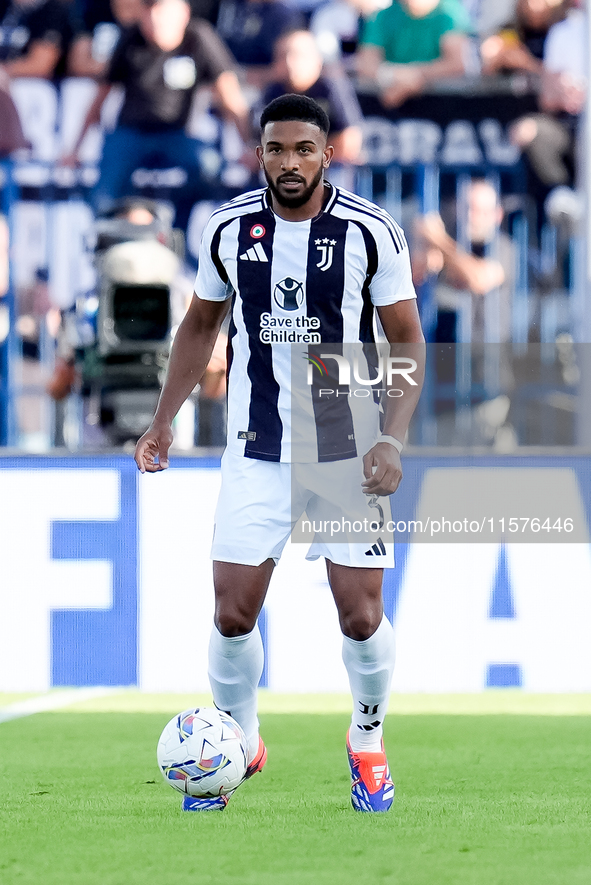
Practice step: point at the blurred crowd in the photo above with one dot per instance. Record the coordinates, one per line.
(247, 51)
(236, 55)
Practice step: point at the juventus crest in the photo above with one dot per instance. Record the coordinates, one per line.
(326, 249)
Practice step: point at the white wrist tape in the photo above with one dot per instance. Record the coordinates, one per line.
(391, 440)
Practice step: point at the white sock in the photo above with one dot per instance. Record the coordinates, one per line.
(235, 668)
(370, 664)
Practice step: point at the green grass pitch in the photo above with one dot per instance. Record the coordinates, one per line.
(480, 800)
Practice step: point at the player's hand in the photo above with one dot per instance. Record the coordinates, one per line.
(151, 451)
(382, 470)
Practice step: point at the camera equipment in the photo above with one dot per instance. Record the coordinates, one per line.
(137, 259)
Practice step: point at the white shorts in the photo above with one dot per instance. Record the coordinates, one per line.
(261, 502)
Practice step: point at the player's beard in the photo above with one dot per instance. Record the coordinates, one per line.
(296, 201)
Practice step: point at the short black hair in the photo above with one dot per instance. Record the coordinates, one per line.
(295, 107)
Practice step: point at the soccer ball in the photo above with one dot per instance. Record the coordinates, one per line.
(203, 753)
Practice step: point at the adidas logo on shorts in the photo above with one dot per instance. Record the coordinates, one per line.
(376, 549)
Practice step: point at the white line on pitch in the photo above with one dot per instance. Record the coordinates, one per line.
(52, 701)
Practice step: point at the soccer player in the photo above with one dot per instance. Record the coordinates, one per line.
(301, 263)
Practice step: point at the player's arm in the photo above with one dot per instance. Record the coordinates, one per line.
(402, 327)
(189, 357)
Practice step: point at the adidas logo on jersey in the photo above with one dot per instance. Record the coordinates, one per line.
(376, 549)
(255, 253)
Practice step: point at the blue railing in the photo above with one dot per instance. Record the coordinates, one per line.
(9, 346)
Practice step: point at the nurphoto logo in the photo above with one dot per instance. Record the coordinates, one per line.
(387, 367)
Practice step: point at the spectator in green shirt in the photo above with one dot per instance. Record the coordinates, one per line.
(413, 43)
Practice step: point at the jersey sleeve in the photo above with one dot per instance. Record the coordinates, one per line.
(211, 283)
(392, 280)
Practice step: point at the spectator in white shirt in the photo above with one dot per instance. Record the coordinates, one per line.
(548, 138)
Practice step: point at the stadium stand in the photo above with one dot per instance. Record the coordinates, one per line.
(519, 45)
(298, 67)
(250, 28)
(35, 38)
(411, 44)
(418, 159)
(548, 138)
(97, 33)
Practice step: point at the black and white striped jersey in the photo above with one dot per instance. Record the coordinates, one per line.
(295, 286)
